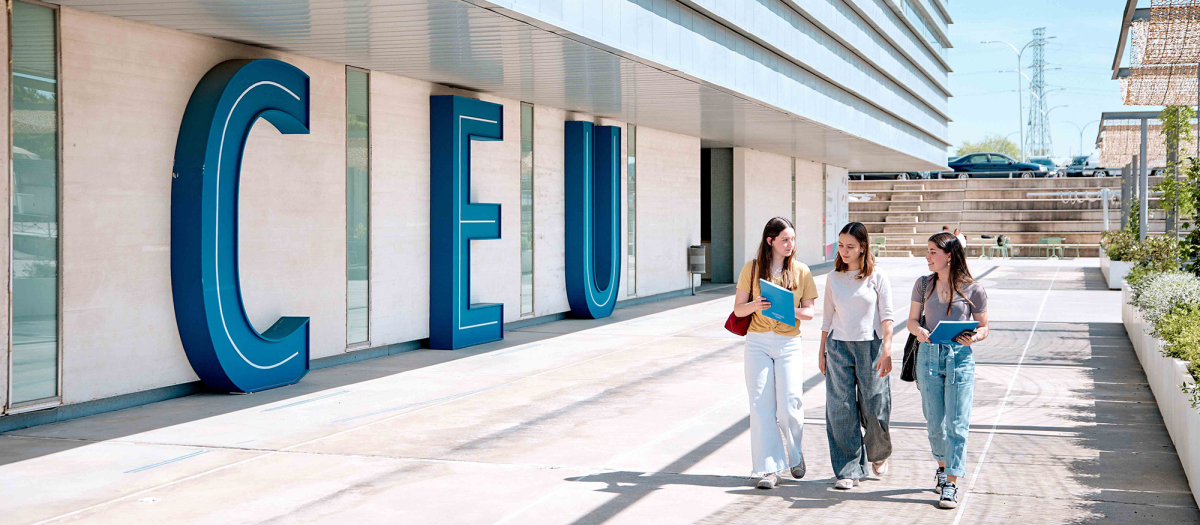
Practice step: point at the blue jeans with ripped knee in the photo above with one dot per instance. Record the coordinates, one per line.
(946, 377)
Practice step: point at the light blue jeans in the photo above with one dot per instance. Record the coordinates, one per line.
(858, 406)
(775, 382)
(946, 377)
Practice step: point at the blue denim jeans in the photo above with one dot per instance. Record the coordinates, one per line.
(775, 382)
(946, 377)
(856, 400)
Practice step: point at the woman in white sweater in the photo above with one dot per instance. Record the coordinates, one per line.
(856, 358)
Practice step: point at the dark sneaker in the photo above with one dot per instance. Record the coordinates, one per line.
(940, 479)
(949, 499)
(799, 470)
(768, 482)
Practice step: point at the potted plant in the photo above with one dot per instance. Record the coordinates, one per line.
(1118, 254)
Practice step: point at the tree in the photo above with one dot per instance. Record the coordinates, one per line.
(991, 143)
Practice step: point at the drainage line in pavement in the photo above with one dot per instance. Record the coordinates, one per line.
(1004, 402)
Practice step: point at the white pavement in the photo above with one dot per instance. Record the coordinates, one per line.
(641, 418)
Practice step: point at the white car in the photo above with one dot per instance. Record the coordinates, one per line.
(1086, 166)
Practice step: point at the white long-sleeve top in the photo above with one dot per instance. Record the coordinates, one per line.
(855, 309)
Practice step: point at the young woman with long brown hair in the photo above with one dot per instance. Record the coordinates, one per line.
(856, 358)
(946, 372)
(773, 357)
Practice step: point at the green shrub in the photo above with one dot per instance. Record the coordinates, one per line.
(1120, 245)
(1170, 303)
(1180, 333)
(1159, 254)
(1157, 294)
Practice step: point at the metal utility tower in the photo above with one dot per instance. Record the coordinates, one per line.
(1038, 142)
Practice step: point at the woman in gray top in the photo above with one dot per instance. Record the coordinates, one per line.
(946, 372)
(856, 358)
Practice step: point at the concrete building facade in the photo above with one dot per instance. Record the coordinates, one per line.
(778, 95)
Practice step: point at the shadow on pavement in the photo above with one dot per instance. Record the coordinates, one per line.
(163, 414)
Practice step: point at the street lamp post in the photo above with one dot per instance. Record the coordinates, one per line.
(1080, 129)
(1020, 73)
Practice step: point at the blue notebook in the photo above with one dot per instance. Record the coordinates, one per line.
(945, 331)
(783, 303)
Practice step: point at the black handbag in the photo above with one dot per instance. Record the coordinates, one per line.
(908, 369)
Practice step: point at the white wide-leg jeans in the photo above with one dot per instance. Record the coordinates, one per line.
(775, 382)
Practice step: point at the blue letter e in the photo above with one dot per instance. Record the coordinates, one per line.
(224, 348)
(454, 221)
(593, 214)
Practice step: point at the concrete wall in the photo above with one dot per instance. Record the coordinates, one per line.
(721, 191)
(810, 211)
(762, 189)
(668, 209)
(125, 86)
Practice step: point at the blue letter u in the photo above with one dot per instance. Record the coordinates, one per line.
(224, 348)
(593, 214)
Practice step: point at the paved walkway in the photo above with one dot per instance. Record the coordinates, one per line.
(641, 418)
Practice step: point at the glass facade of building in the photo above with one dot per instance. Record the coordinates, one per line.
(358, 216)
(35, 168)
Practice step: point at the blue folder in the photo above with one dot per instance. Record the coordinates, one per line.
(945, 331)
(783, 303)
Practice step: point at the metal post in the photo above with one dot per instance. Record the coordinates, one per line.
(1143, 185)
(1172, 161)
(1126, 190)
(1105, 194)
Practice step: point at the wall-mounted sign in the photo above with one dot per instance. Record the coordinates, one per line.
(593, 218)
(454, 221)
(223, 347)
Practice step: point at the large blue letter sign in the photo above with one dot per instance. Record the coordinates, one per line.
(224, 348)
(454, 221)
(593, 228)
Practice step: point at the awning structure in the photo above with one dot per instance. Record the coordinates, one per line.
(1120, 139)
(1166, 48)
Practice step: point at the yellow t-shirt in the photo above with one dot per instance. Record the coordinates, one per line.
(804, 290)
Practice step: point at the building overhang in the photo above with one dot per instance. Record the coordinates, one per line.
(464, 45)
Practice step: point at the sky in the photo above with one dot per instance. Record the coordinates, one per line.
(985, 99)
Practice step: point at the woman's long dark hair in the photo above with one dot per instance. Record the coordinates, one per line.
(773, 228)
(960, 275)
(859, 232)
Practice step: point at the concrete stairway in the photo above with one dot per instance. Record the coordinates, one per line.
(906, 213)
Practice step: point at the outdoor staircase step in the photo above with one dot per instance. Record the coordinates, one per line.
(907, 197)
(895, 253)
(901, 218)
(909, 187)
(900, 229)
(892, 241)
(904, 208)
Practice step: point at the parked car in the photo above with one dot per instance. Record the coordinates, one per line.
(995, 165)
(1051, 167)
(903, 175)
(1085, 166)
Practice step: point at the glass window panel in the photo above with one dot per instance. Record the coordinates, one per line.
(631, 213)
(357, 207)
(34, 204)
(526, 209)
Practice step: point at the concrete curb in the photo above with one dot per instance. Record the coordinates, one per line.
(1165, 376)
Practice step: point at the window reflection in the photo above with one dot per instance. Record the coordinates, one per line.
(357, 207)
(34, 204)
(631, 213)
(526, 209)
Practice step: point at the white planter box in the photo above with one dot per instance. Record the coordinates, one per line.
(1114, 271)
(1165, 375)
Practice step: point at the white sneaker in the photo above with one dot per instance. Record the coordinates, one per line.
(845, 484)
(880, 468)
(768, 482)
